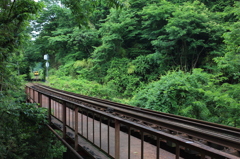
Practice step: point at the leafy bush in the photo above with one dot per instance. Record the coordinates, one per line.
(80, 86)
(119, 79)
(24, 134)
(194, 95)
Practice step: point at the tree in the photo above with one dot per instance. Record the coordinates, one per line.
(14, 17)
(117, 33)
(22, 131)
(229, 64)
(82, 9)
(185, 35)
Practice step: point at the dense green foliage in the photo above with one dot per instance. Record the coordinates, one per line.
(178, 56)
(197, 95)
(23, 134)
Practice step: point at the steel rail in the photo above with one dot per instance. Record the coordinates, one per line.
(189, 126)
(223, 128)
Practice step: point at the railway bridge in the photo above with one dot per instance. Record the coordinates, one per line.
(100, 129)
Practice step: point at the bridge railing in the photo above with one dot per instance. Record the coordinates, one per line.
(104, 130)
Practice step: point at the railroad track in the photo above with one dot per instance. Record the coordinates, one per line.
(228, 137)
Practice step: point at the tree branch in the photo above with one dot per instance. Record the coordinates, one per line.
(11, 8)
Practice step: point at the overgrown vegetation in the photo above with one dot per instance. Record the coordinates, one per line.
(179, 57)
(23, 134)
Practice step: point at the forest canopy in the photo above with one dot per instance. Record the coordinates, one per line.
(180, 57)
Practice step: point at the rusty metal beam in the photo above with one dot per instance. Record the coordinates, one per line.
(202, 155)
(108, 132)
(142, 144)
(93, 127)
(64, 119)
(49, 109)
(177, 151)
(76, 128)
(87, 125)
(117, 139)
(158, 147)
(129, 142)
(33, 93)
(40, 99)
(100, 133)
(82, 122)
